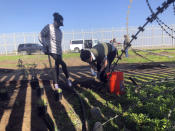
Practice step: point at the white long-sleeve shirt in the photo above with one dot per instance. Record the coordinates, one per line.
(51, 37)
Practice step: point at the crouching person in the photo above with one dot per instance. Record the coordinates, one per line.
(99, 57)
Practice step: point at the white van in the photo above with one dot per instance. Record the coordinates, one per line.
(77, 45)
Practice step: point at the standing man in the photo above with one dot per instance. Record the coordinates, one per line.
(100, 57)
(51, 38)
(125, 43)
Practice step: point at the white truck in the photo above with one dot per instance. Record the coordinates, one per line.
(77, 45)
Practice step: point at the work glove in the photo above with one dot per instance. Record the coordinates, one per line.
(102, 76)
(93, 72)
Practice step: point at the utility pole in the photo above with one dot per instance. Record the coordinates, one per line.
(127, 16)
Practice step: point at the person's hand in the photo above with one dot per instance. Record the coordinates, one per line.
(46, 50)
(102, 76)
(104, 64)
(93, 72)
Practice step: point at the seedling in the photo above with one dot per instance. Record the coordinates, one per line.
(28, 69)
(58, 94)
(42, 107)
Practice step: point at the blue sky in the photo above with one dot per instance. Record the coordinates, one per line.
(33, 15)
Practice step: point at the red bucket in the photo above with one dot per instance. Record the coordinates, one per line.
(116, 84)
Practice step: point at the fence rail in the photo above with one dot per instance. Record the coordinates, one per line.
(152, 37)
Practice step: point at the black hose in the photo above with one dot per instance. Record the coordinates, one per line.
(84, 128)
(133, 81)
(49, 122)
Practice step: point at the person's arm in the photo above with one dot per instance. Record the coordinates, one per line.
(92, 69)
(43, 36)
(104, 64)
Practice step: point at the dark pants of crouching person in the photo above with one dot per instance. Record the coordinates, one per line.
(110, 58)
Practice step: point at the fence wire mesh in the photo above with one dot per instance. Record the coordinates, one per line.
(153, 37)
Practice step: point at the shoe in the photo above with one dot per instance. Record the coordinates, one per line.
(69, 82)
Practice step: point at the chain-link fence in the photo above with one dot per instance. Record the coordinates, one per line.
(152, 37)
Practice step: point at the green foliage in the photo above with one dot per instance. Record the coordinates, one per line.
(154, 108)
(69, 55)
(143, 122)
(151, 109)
(42, 102)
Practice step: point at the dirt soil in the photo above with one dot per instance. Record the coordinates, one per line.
(19, 110)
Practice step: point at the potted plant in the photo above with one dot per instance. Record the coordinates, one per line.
(3, 94)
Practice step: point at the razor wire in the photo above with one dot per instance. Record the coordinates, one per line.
(150, 19)
(160, 22)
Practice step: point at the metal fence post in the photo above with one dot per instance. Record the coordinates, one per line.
(73, 35)
(112, 34)
(152, 36)
(24, 37)
(34, 37)
(14, 40)
(162, 37)
(63, 41)
(102, 35)
(82, 34)
(92, 36)
(172, 37)
(5, 45)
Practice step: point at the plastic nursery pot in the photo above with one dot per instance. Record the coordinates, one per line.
(42, 107)
(3, 94)
(40, 91)
(58, 94)
(116, 83)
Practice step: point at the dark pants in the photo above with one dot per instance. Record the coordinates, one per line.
(59, 61)
(110, 59)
